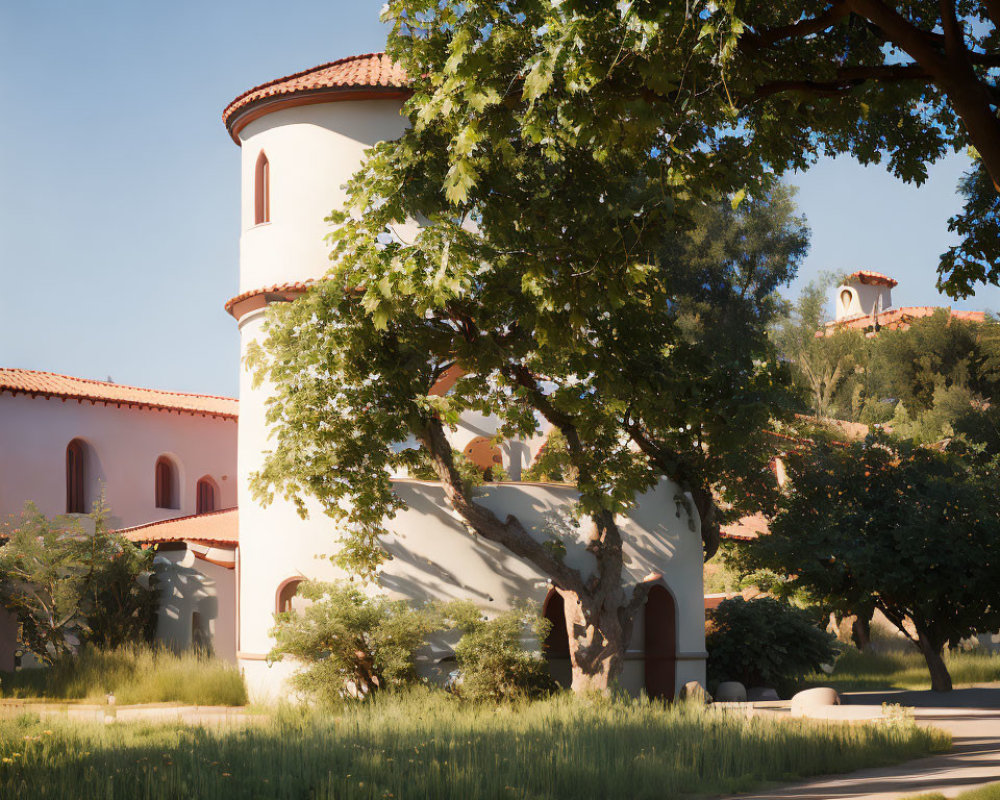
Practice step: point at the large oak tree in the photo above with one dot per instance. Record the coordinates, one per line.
(579, 261)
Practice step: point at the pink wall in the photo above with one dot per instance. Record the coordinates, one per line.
(122, 447)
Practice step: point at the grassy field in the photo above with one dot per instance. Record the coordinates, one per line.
(429, 745)
(134, 675)
(905, 669)
(991, 792)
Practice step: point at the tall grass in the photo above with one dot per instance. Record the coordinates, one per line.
(905, 668)
(990, 792)
(134, 674)
(429, 745)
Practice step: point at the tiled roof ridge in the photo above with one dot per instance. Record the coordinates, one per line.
(303, 72)
(203, 515)
(76, 388)
(901, 310)
(375, 71)
(877, 277)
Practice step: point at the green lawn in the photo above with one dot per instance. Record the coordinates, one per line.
(429, 745)
(905, 669)
(991, 792)
(135, 675)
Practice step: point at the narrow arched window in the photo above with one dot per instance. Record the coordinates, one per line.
(262, 191)
(76, 502)
(286, 595)
(166, 483)
(206, 495)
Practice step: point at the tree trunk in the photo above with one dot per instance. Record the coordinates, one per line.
(861, 633)
(940, 679)
(598, 638)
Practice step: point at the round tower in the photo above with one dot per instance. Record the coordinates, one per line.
(301, 137)
(864, 293)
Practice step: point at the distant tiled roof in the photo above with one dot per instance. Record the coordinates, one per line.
(371, 71)
(869, 277)
(746, 529)
(293, 287)
(901, 317)
(217, 527)
(49, 384)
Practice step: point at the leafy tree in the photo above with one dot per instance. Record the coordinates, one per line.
(68, 585)
(766, 642)
(739, 90)
(828, 366)
(567, 285)
(910, 531)
(352, 643)
(492, 660)
(976, 258)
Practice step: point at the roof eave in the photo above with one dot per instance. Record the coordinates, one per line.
(240, 118)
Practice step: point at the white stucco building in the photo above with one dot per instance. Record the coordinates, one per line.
(301, 139)
(226, 569)
(153, 455)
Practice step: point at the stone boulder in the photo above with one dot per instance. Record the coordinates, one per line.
(814, 698)
(694, 692)
(731, 692)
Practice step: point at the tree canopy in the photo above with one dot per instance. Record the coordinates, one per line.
(911, 531)
(582, 283)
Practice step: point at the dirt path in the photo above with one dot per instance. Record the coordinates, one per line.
(972, 716)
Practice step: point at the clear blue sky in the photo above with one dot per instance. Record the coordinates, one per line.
(119, 185)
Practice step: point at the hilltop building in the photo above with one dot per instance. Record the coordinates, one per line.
(864, 302)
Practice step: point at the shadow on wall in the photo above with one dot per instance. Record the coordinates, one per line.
(189, 604)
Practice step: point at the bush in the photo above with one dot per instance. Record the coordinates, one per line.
(134, 674)
(765, 642)
(68, 585)
(492, 661)
(352, 644)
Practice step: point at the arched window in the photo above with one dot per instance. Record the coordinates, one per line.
(262, 191)
(206, 495)
(76, 502)
(286, 595)
(166, 483)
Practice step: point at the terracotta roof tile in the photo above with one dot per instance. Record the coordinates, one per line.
(869, 277)
(369, 71)
(277, 288)
(897, 317)
(49, 384)
(217, 526)
(746, 529)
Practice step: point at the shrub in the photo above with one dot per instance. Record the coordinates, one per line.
(765, 642)
(350, 643)
(492, 661)
(68, 585)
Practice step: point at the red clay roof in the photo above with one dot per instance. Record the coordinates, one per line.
(218, 527)
(374, 71)
(869, 277)
(49, 384)
(277, 288)
(746, 529)
(901, 317)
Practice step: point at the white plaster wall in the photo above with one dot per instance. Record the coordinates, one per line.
(311, 152)
(123, 445)
(864, 297)
(189, 585)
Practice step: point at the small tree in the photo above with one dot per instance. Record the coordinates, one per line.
(352, 643)
(68, 585)
(910, 531)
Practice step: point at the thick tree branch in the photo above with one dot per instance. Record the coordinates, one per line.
(798, 30)
(509, 533)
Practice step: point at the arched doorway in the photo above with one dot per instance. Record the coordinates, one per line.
(555, 648)
(660, 639)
